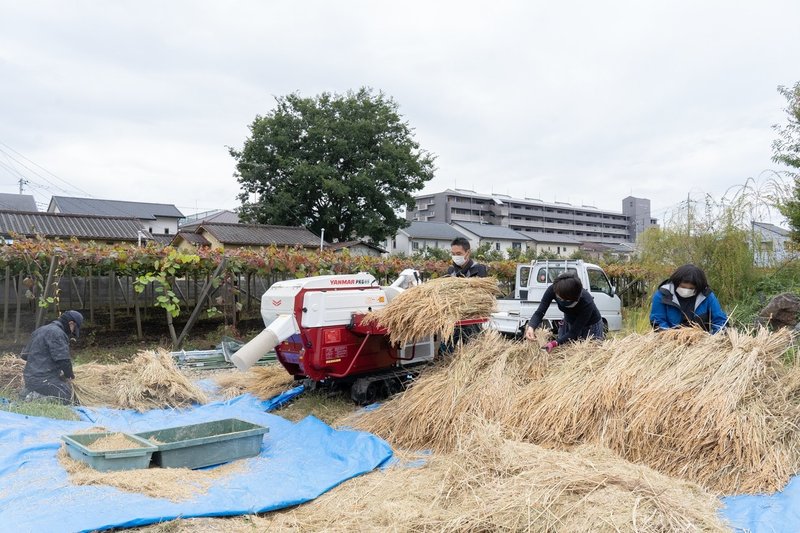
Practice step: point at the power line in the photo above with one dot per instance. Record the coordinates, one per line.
(65, 182)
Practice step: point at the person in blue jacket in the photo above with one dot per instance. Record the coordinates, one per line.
(582, 319)
(685, 299)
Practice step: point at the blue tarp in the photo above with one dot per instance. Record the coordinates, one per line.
(773, 513)
(303, 460)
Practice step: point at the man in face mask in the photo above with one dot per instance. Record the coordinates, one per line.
(463, 266)
(48, 369)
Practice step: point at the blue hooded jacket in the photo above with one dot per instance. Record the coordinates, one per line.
(666, 311)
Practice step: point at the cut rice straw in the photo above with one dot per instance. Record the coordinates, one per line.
(434, 307)
(175, 484)
(149, 381)
(719, 410)
(11, 368)
(264, 382)
(489, 483)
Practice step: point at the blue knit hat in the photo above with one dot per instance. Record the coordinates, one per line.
(72, 316)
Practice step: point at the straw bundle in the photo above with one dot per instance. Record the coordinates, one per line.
(264, 382)
(489, 483)
(434, 307)
(150, 381)
(11, 368)
(716, 410)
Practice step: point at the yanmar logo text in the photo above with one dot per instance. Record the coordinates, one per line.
(350, 282)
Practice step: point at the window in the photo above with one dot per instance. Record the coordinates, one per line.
(497, 246)
(550, 273)
(150, 229)
(394, 244)
(516, 246)
(166, 231)
(598, 282)
(414, 245)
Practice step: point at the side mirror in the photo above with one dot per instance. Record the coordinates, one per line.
(612, 291)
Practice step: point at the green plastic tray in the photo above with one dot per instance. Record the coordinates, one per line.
(206, 444)
(137, 456)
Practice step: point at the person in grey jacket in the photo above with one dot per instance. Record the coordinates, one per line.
(48, 368)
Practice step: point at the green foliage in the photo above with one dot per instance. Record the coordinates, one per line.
(786, 150)
(163, 276)
(441, 254)
(46, 408)
(487, 252)
(768, 283)
(724, 255)
(341, 163)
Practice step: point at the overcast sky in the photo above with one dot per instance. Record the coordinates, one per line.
(584, 102)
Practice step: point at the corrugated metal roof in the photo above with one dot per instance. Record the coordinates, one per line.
(432, 230)
(552, 237)
(261, 235)
(217, 216)
(65, 226)
(164, 239)
(192, 238)
(491, 231)
(349, 244)
(113, 208)
(773, 228)
(18, 202)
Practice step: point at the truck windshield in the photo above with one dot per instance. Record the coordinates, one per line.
(547, 274)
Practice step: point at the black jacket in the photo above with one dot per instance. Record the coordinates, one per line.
(47, 353)
(469, 270)
(578, 318)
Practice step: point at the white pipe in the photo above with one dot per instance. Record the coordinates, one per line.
(278, 331)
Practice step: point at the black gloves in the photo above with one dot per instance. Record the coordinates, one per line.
(66, 368)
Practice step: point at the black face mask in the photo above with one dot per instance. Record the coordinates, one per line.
(566, 303)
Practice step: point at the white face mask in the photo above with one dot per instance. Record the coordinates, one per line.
(459, 259)
(684, 292)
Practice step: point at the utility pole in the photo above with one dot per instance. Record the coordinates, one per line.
(22, 182)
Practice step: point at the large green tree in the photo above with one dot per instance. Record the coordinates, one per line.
(786, 150)
(345, 163)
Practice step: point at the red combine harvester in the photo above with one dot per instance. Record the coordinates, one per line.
(315, 327)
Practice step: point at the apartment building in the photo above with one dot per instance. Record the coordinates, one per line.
(533, 216)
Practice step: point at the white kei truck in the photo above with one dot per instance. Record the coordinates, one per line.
(534, 278)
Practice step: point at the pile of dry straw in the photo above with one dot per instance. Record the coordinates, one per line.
(490, 483)
(149, 381)
(264, 382)
(721, 410)
(434, 307)
(11, 367)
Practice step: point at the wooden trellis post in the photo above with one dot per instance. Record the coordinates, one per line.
(5, 298)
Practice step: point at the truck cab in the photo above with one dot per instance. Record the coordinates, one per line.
(532, 279)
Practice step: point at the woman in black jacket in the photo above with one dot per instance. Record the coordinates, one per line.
(582, 319)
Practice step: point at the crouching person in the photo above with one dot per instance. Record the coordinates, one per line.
(48, 366)
(582, 319)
